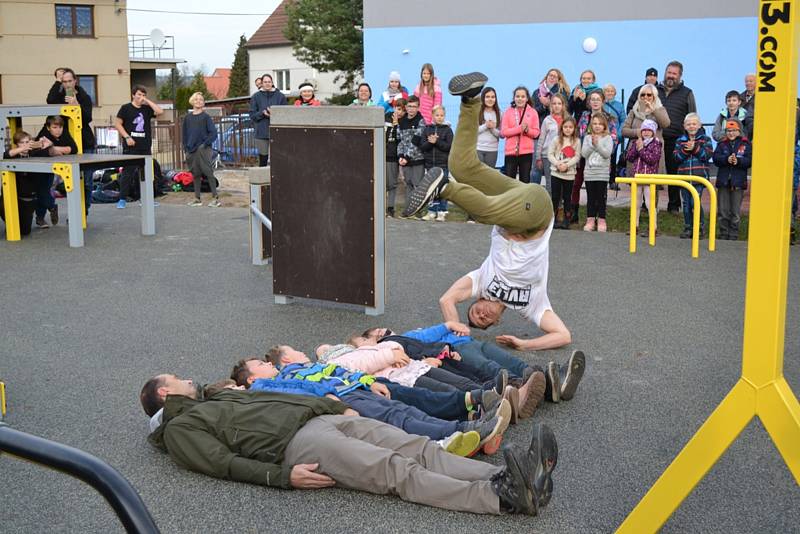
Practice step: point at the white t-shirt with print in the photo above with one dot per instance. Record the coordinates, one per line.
(515, 273)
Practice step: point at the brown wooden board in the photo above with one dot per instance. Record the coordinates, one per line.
(322, 200)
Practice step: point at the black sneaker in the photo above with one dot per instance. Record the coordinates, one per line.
(542, 460)
(686, 234)
(429, 187)
(501, 381)
(54, 215)
(467, 85)
(553, 390)
(41, 223)
(512, 483)
(573, 375)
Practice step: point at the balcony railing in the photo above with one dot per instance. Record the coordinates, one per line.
(141, 47)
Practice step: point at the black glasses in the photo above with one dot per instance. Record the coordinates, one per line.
(645, 94)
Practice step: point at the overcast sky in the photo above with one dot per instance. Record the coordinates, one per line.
(207, 40)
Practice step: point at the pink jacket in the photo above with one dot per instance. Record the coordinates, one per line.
(378, 361)
(512, 130)
(427, 102)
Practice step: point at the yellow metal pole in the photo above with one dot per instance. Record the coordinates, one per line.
(73, 113)
(634, 219)
(695, 221)
(83, 201)
(653, 215)
(693, 462)
(2, 400)
(766, 392)
(11, 206)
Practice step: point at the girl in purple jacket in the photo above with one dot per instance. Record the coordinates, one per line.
(645, 154)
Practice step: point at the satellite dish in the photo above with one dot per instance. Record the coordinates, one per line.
(157, 38)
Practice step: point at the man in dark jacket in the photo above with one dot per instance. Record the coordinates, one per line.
(65, 90)
(679, 101)
(292, 441)
(263, 99)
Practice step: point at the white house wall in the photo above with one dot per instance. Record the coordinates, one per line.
(270, 59)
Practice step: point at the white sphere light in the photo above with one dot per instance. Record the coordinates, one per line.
(589, 45)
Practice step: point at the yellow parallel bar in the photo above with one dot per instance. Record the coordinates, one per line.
(82, 189)
(11, 206)
(73, 113)
(652, 215)
(780, 412)
(2, 400)
(65, 172)
(634, 221)
(650, 180)
(712, 208)
(698, 456)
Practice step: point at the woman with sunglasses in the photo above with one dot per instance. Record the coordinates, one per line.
(647, 107)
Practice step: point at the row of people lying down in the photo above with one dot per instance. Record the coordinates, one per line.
(383, 413)
(33, 189)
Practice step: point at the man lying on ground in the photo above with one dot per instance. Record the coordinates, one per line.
(231, 435)
(488, 359)
(369, 399)
(514, 275)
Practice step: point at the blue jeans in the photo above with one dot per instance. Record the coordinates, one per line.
(449, 405)
(397, 414)
(44, 200)
(487, 359)
(688, 204)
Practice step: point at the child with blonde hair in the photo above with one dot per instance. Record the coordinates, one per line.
(597, 148)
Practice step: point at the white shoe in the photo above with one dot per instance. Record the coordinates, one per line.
(441, 216)
(431, 215)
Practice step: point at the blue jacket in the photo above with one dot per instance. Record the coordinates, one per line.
(437, 334)
(260, 101)
(294, 387)
(695, 162)
(733, 176)
(331, 375)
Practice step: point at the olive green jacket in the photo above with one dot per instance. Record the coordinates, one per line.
(237, 435)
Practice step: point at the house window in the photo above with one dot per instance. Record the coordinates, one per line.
(282, 80)
(89, 84)
(74, 21)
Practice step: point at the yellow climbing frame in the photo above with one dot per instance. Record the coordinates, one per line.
(762, 391)
(677, 181)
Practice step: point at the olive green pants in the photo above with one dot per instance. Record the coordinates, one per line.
(485, 193)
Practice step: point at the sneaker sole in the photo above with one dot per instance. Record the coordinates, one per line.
(462, 83)
(575, 369)
(503, 419)
(501, 381)
(511, 394)
(423, 193)
(517, 471)
(543, 452)
(555, 382)
(536, 386)
(464, 444)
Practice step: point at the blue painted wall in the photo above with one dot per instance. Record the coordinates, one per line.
(716, 54)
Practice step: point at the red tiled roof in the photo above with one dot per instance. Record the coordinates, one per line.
(217, 84)
(271, 32)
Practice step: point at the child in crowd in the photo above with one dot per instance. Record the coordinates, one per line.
(693, 153)
(394, 91)
(733, 157)
(520, 128)
(436, 141)
(429, 92)
(550, 130)
(409, 155)
(391, 126)
(488, 132)
(563, 156)
(597, 148)
(24, 146)
(644, 154)
(732, 110)
(60, 144)
(307, 96)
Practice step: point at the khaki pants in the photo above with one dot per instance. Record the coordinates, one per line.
(367, 455)
(200, 165)
(485, 193)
